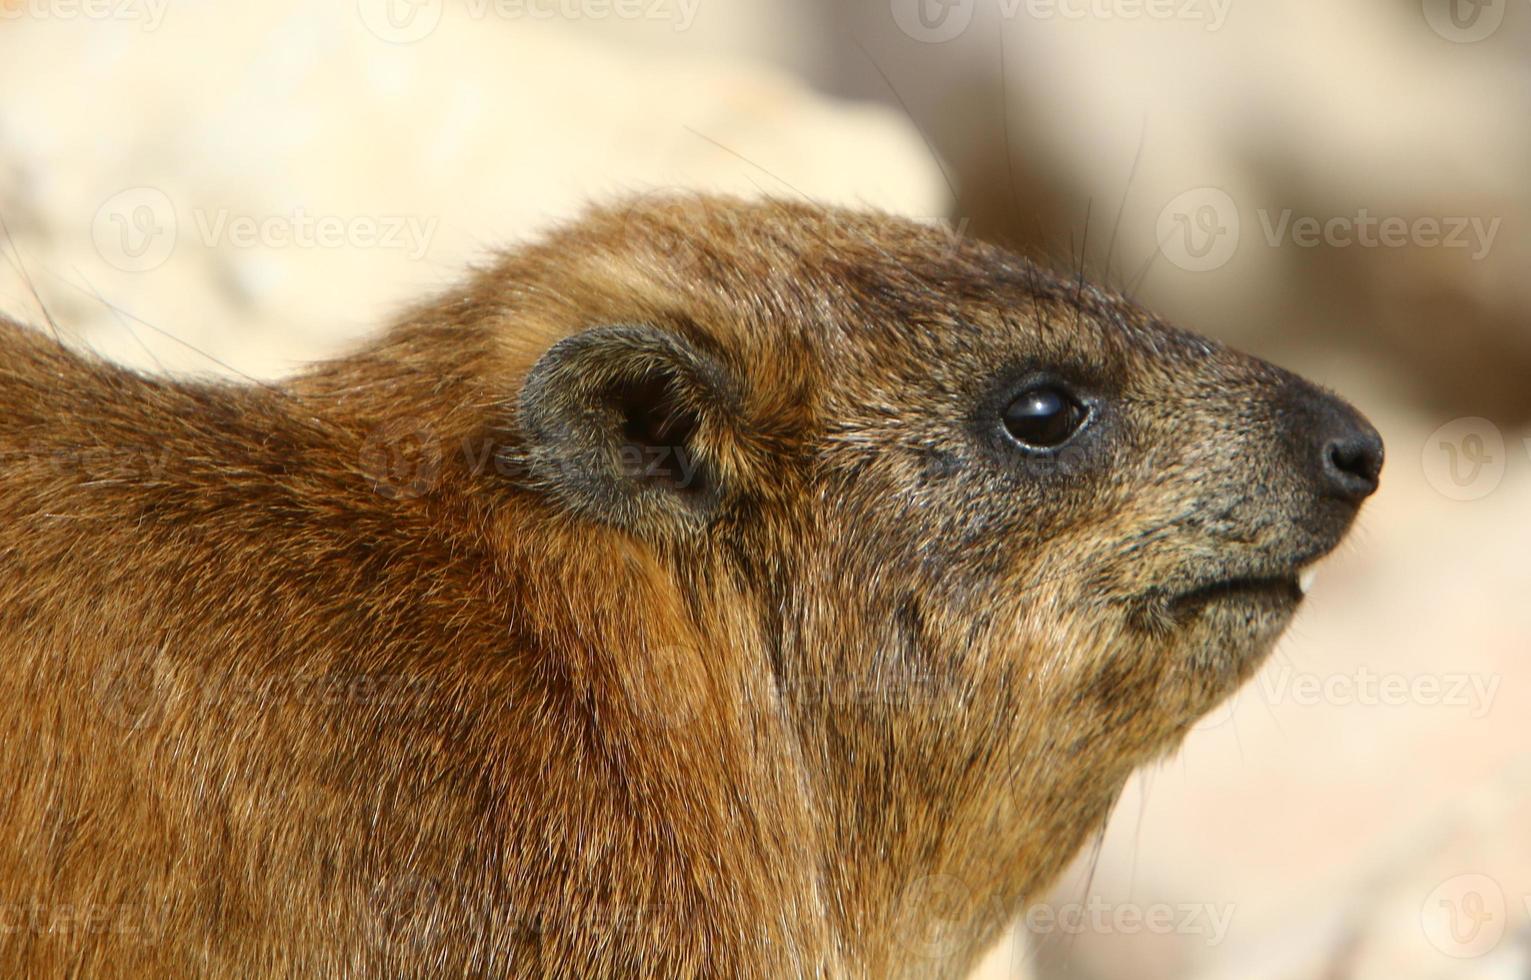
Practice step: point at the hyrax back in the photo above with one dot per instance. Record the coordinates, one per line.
(710, 588)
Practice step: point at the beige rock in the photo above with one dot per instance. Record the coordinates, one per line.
(1254, 151)
(264, 182)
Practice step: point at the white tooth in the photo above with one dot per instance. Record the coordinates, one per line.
(1305, 579)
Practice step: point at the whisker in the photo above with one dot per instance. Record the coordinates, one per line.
(940, 164)
(121, 320)
(1084, 246)
(21, 269)
(114, 308)
(1004, 98)
(1121, 208)
(740, 156)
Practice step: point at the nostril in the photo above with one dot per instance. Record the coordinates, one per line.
(1353, 463)
(1336, 450)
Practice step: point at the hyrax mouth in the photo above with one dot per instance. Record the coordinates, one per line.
(1268, 591)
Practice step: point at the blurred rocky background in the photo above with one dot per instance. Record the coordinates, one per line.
(216, 187)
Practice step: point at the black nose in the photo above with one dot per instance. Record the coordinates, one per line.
(1353, 461)
(1342, 446)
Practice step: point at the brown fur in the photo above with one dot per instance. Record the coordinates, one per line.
(382, 672)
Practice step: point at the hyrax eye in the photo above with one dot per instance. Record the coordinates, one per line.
(1044, 416)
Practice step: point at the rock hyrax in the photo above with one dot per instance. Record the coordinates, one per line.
(710, 588)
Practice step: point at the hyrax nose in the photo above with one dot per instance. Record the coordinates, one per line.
(1352, 462)
(1343, 449)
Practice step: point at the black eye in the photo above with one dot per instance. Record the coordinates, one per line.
(1044, 416)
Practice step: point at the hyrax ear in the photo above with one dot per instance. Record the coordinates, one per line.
(632, 426)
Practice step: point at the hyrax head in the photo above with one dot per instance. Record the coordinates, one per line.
(1001, 537)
